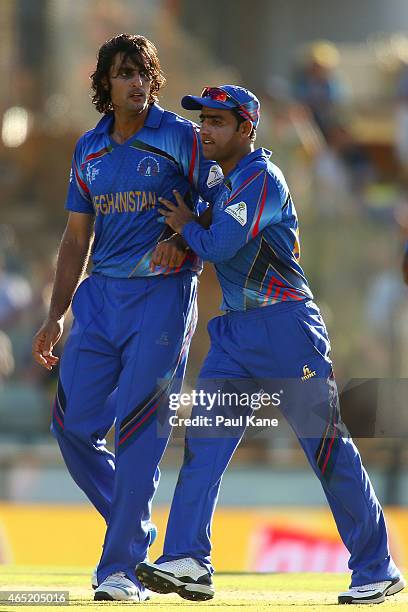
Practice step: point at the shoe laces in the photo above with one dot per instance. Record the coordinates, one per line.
(187, 565)
(117, 575)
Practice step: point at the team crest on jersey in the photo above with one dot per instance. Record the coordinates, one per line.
(215, 176)
(91, 171)
(148, 166)
(238, 211)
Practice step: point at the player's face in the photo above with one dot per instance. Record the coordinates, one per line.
(130, 85)
(220, 137)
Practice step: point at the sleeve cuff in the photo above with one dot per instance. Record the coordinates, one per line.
(189, 228)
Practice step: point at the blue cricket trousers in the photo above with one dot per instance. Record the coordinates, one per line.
(130, 336)
(273, 345)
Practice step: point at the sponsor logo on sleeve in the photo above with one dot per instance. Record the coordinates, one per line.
(238, 211)
(215, 176)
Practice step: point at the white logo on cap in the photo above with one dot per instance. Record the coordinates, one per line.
(215, 176)
(238, 211)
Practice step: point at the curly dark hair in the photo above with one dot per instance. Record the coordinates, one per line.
(141, 51)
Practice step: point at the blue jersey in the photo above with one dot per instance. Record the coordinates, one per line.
(121, 184)
(254, 237)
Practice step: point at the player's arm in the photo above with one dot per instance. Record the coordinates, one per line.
(171, 252)
(241, 219)
(72, 260)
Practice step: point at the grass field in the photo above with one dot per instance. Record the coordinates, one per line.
(282, 592)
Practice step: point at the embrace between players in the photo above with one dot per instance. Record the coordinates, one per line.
(138, 181)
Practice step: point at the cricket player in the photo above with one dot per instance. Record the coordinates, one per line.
(132, 327)
(272, 330)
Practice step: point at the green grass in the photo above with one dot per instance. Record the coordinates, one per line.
(281, 592)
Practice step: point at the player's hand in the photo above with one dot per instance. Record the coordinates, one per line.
(170, 252)
(45, 340)
(176, 215)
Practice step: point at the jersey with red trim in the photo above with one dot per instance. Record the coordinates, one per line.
(254, 237)
(120, 185)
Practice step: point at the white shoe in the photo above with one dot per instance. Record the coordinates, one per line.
(372, 593)
(118, 587)
(94, 579)
(186, 577)
(153, 536)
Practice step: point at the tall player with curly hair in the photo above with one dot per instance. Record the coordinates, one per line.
(132, 322)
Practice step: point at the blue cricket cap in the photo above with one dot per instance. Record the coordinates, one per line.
(226, 97)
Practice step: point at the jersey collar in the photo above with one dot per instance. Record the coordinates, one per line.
(153, 120)
(154, 117)
(248, 159)
(260, 153)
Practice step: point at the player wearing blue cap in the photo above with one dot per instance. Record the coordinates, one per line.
(132, 326)
(272, 331)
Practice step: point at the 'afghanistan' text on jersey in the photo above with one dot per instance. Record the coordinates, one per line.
(121, 184)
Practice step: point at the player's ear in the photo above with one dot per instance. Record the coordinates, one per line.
(105, 83)
(246, 128)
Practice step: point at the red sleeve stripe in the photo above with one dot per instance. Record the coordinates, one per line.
(93, 155)
(263, 198)
(80, 181)
(193, 157)
(244, 184)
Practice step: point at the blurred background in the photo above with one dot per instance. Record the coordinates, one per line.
(333, 81)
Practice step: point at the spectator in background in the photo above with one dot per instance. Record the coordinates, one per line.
(401, 117)
(15, 295)
(317, 85)
(342, 168)
(360, 172)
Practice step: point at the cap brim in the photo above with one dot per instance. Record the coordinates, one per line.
(197, 103)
